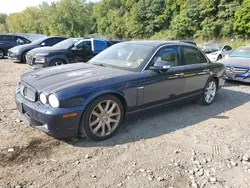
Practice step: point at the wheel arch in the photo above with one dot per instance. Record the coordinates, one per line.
(118, 94)
(59, 58)
(215, 78)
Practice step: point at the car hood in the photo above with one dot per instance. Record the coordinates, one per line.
(54, 79)
(22, 48)
(46, 50)
(241, 62)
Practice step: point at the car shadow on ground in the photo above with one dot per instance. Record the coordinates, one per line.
(232, 83)
(161, 121)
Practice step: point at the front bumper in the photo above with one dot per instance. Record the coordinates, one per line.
(49, 120)
(31, 62)
(239, 77)
(13, 56)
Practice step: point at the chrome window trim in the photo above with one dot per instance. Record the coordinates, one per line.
(177, 44)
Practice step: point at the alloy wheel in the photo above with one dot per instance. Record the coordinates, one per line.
(104, 118)
(210, 91)
(58, 63)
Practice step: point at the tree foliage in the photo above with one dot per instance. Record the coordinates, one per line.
(127, 19)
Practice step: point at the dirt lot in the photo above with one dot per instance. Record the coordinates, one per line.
(189, 146)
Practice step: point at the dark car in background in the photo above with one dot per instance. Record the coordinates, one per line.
(92, 98)
(8, 41)
(18, 53)
(72, 50)
(237, 64)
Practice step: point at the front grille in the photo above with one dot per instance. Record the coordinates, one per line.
(27, 92)
(236, 70)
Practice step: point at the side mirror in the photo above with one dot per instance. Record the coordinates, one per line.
(160, 65)
(224, 50)
(43, 44)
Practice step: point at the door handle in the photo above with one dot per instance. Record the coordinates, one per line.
(179, 74)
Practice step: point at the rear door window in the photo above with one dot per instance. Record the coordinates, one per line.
(99, 45)
(192, 55)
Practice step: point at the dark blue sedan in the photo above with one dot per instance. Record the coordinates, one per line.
(92, 98)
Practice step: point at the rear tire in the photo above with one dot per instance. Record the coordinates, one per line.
(219, 58)
(209, 93)
(1, 54)
(102, 118)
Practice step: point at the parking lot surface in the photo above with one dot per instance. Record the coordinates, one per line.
(186, 146)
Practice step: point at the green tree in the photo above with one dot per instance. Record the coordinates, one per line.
(242, 19)
(3, 25)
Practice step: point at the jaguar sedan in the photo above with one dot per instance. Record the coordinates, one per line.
(91, 99)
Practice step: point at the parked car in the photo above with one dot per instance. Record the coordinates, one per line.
(238, 64)
(18, 53)
(8, 41)
(68, 51)
(215, 51)
(92, 98)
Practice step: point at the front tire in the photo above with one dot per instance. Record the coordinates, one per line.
(209, 93)
(102, 118)
(57, 62)
(219, 58)
(23, 59)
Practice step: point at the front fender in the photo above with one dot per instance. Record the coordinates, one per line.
(100, 93)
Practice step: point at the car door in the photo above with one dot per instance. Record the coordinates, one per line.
(196, 69)
(82, 52)
(8, 41)
(163, 86)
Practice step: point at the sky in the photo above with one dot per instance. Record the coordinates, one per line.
(10, 6)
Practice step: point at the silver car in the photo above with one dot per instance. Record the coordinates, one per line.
(215, 51)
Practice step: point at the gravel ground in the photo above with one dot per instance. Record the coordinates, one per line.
(188, 146)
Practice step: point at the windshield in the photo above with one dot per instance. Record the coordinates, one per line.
(241, 52)
(38, 41)
(129, 56)
(211, 47)
(66, 44)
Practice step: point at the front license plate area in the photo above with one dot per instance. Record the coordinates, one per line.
(20, 107)
(231, 75)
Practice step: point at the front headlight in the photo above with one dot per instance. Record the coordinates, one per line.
(43, 98)
(40, 59)
(53, 101)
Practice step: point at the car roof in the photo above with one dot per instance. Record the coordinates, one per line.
(8, 34)
(157, 43)
(55, 37)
